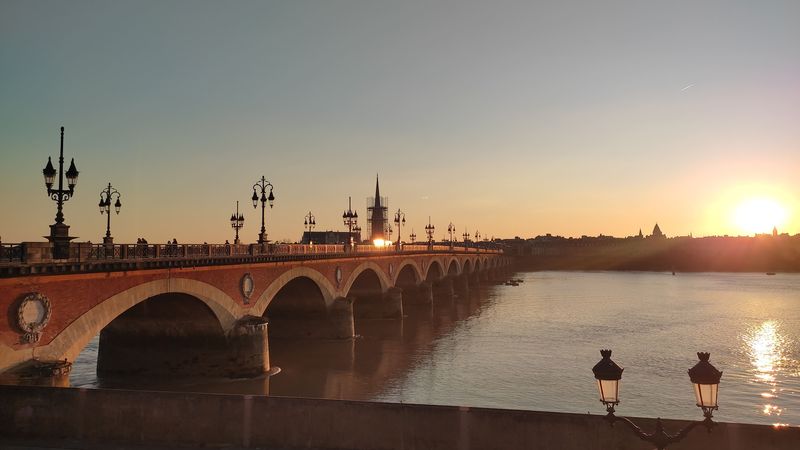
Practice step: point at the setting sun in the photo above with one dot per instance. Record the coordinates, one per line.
(759, 215)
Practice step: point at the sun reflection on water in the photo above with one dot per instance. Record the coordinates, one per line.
(766, 350)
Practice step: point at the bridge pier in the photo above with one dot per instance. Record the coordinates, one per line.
(387, 305)
(418, 295)
(461, 285)
(443, 289)
(336, 323)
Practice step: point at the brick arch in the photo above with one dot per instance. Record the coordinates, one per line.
(450, 261)
(69, 343)
(467, 266)
(439, 263)
(402, 265)
(382, 277)
(324, 285)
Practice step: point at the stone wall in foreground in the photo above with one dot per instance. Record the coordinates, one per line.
(211, 420)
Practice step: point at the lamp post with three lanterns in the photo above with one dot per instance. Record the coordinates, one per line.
(262, 185)
(105, 208)
(399, 220)
(59, 231)
(429, 230)
(350, 219)
(237, 222)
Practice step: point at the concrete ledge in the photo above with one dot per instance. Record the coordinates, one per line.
(165, 419)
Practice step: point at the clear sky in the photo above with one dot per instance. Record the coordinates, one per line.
(513, 118)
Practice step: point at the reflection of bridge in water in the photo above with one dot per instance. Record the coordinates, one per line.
(207, 315)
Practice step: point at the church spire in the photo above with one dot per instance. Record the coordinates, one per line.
(377, 192)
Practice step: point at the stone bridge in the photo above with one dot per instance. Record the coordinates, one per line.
(215, 316)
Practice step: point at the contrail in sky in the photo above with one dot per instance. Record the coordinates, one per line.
(687, 87)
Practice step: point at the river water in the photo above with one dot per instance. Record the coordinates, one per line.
(532, 347)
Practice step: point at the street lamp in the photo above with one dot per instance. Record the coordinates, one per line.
(105, 208)
(399, 220)
(350, 219)
(237, 222)
(262, 185)
(703, 376)
(477, 241)
(412, 236)
(429, 230)
(309, 222)
(59, 231)
(451, 229)
(466, 239)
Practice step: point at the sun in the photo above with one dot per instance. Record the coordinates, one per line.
(759, 215)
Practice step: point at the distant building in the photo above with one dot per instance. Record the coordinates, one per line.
(657, 232)
(378, 215)
(328, 237)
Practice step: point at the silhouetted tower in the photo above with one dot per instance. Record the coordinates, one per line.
(378, 214)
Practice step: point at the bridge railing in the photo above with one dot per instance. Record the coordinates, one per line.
(11, 253)
(41, 252)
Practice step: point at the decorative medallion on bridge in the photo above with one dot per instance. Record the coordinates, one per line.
(33, 314)
(247, 286)
(338, 275)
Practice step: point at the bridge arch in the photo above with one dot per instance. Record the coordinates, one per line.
(453, 267)
(69, 343)
(326, 288)
(384, 280)
(410, 267)
(435, 271)
(467, 267)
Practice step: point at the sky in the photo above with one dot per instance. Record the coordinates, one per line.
(508, 118)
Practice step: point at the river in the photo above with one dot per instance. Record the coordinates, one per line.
(532, 347)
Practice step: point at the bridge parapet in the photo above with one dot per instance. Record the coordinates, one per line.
(32, 258)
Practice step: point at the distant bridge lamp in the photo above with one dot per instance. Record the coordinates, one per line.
(451, 229)
(262, 185)
(237, 223)
(350, 219)
(59, 231)
(466, 237)
(477, 240)
(105, 208)
(399, 220)
(412, 236)
(429, 230)
(309, 222)
(704, 376)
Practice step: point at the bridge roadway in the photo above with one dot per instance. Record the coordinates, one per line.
(209, 310)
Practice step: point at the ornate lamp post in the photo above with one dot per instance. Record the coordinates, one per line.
(350, 219)
(237, 222)
(429, 230)
(703, 375)
(451, 229)
(262, 185)
(466, 239)
(309, 222)
(477, 241)
(412, 236)
(105, 208)
(399, 220)
(59, 231)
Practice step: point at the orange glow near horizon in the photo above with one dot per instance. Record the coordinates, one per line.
(759, 215)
